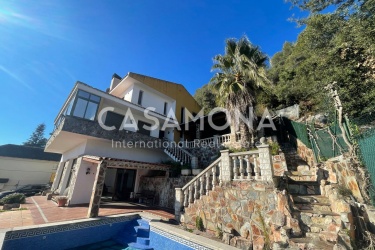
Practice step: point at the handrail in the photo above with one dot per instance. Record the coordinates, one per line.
(202, 173)
(252, 152)
(186, 152)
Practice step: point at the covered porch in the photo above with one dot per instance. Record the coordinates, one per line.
(104, 182)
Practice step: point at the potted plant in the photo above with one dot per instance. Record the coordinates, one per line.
(185, 170)
(61, 201)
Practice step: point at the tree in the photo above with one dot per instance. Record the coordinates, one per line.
(241, 71)
(206, 97)
(332, 48)
(344, 8)
(37, 138)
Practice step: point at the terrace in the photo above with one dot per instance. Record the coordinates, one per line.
(39, 211)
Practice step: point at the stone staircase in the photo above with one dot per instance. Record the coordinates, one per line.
(319, 225)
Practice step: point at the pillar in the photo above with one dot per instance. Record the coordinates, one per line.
(97, 190)
(65, 176)
(178, 203)
(265, 161)
(57, 179)
(225, 168)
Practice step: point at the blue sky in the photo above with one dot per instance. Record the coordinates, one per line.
(46, 46)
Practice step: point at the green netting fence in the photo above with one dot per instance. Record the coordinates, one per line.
(366, 146)
(297, 130)
(325, 143)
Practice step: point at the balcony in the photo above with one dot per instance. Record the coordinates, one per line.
(72, 131)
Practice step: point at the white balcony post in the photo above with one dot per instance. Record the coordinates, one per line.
(178, 203)
(265, 160)
(226, 169)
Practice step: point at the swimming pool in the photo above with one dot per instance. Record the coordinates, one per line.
(133, 231)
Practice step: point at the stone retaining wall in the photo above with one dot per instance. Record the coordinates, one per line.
(164, 188)
(249, 213)
(305, 153)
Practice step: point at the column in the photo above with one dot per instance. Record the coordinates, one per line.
(265, 160)
(179, 198)
(58, 175)
(226, 168)
(97, 190)
(65, 176)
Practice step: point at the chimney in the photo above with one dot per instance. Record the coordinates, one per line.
(115, 81)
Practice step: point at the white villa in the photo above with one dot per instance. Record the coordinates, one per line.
(91, 153)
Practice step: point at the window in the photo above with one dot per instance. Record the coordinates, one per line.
(182, 115)
(113, 119)
(86, 105)
(140, 97)
(143, 130)
(165, 108)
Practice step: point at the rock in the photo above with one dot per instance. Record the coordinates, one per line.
(241, 243)
(245, 231)
(227, 238)
(278, 219)
(338, 247)
(10, 206)
(258, 243)
(228, 230)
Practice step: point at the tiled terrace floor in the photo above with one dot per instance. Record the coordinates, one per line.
(41, 211)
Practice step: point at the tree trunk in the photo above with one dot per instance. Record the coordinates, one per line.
(245, 136)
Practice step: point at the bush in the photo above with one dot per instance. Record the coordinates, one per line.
(344, 191)
(13, 198)
(199, 223)
(274, 148)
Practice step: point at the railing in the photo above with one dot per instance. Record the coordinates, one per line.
(239, 166)
(204, 182)
(216, 140)
(179, 154)
(245, 165)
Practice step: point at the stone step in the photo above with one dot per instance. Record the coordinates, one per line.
(323, 236)
(318, 213)
(311, 243)
(311, 199)
(313, 206)
(301, 189)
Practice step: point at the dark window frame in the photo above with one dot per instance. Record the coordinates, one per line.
(140, 97)
(88, 99)
(165, 108)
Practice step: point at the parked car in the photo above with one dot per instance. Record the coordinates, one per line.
(27, 190)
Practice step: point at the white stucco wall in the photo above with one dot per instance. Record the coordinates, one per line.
(25, 171)
(152, 98)
(84, 183)
(104, 148)
(74, 152)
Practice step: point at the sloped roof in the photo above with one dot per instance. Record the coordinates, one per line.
(26, 152)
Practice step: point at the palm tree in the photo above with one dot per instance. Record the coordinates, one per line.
(241, 71)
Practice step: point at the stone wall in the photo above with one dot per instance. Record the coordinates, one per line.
(338, 171)
(206, 155)
(304, 152)
(164, 188)
(279, 164)
(249, 213)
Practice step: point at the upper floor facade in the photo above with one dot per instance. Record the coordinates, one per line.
(133, 108)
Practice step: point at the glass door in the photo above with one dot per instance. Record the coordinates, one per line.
(125, 182)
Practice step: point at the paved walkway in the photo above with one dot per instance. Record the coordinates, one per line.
(41, 211)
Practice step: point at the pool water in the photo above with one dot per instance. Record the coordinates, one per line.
(103, 245)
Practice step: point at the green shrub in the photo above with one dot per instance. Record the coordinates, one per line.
(199, 223)
(344, 191)
(13, 198)
(274, 148)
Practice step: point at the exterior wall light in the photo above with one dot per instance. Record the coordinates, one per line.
(88, 171)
